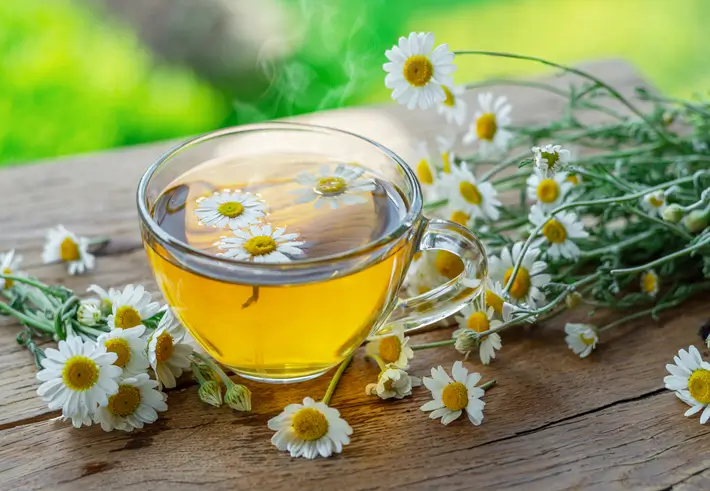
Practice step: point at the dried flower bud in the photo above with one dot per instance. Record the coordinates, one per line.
(89, 313)
(211, 393)
(673, 213)
(696, 221)
(238, 397)
(573, 300)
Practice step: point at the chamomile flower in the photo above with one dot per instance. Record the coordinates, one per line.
(445, 157)
(393, 382)
(341, 186)
(167, 354)
(530, 278)
(89, 312)
(551, 158)
(415, 73)
(489, 125)
(77, 377)
(459, 216)
(310, 429)
(472, 322)
(129, 347)
(261, 244)
(105, 298)
(422, 275)
(454, 107)
(9, 265)
(581, 338)
(226, 208)
(549, 192)
(452, 397)
(690, 379)
(649, 283)
(392, 349)
(425, 170)
(654, 203)
(63, 245)
(130, 307)
(558, 233)
(136, 402)
(466, 194)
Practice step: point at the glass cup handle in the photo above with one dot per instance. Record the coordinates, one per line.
(452, 296)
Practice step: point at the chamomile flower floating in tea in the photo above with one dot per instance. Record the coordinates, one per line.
(394, 383)
(489, 125)
(77, 377)
(415, 73)
(130, 349)
(558, 233)
(264, 244)
(581, 338)
(551, 158)
(690, 379)
(136, 403)
(65, 246)
(105, 298)
(392, 349)
(468, 195)
(530, 278)
(310, 429)
(454, 107)
(549, 192)
(338, 187)
(9, 265)
(654, 203)
(473, 322)
(167, 352)
(131, 307)
(649, 283)
(452, 397)
(233, 209)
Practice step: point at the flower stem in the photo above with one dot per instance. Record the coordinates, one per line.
(488, 384)
(29, 281)
(436, 344)
(380, 362)
(25, 319)
(336, 378)
(214, 367)
(664, 259)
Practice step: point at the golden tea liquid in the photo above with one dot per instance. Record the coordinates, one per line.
(285, 331)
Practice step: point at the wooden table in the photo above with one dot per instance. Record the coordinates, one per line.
(553, 422)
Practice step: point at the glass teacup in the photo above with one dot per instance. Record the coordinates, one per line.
(282, 246)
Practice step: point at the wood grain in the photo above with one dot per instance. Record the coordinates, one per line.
(553, 422)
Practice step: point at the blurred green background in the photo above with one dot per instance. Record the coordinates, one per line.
(86, 75)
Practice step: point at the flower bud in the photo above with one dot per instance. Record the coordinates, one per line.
(238, 397)
(88, 313)
(211, 393)
(465, 343)
(696, 220)
(673, 213)
(573, 299)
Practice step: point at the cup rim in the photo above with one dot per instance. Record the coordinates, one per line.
(414, 212)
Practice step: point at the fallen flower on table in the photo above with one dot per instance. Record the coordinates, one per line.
(394, 383)
(62, 245)
(690, 380)
(392, 349)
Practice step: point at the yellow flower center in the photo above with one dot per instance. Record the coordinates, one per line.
(445, 162)
(127, 317)
(8, 283)
(460, 217)
(649, 283)
(455, 396)
(450, 99)
(554, 231)
(231, 209)
(164, 347)
(390, 348)
(260, 245)
(486, 126)
(521, 283)
(587, 341)
(548, 191)
(330, 185)
(80, 373)
(478, 322)
(655, 201)
(494, 300)
(699, 385)
(69, 250)
(448, 264)
(424, 172)
(124, 402)
(418, 70)
(551, 158)
(309, 424)
(122, 350)
(470, 193)
(573, 178)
